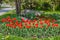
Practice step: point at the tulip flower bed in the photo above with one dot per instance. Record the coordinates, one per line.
(29, 28)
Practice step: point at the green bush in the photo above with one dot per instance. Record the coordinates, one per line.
(30, 16)
(58, 8)
(46, 6)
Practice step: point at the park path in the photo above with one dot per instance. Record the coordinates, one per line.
(4, 10)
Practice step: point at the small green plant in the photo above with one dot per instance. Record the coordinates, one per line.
(30, 16)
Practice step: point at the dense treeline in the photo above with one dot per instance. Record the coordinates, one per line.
(42, 4)
(38, 4)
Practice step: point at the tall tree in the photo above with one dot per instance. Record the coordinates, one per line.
(18, 6)
(0, 3)
(54, 4)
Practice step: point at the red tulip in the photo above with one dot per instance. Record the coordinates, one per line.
(26, 20)
(8, 17)
(41, 26)
(20, 25)
(34, 20)
(41, 22)
(4, 20)
(14, 19)
(13, 26)
(23, 19)
(36, 25)
(48, 24)
(28, 26)
(25, 24)
(7, 24)
(29, 22)
(47, 21)
(16, 23)
(41, 19)
(10, 20)
(55, 25)
(10, 25)
(53, 20)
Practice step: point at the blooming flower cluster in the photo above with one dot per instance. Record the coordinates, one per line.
(13, 23)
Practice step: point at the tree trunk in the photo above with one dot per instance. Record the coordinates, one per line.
(0, 6)
(18, 7)
(0, 3)
(53, 7)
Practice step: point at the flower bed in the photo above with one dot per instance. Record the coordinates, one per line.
(29, 28)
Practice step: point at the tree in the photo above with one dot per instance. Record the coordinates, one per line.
(17, 2)
(54, 4)
(18, 6)
(0, 3)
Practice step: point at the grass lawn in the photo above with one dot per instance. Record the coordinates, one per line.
(13, 37)
(52, 12)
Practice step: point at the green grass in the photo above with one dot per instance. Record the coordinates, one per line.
(9, 13)
(52, 12)
(2, 7)
(12, 37)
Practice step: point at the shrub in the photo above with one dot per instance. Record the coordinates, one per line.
(45, 6)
